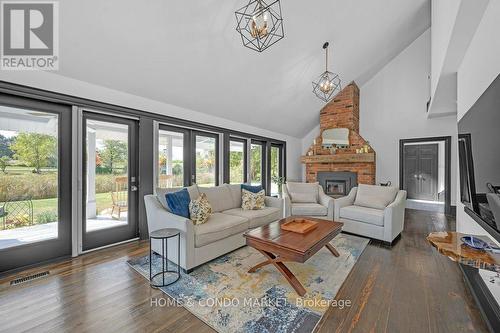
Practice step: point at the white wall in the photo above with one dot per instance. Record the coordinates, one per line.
(393, 107)
(64, 85)
(444, 11)
(480, 66)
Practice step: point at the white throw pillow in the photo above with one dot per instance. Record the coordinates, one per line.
(373, 196)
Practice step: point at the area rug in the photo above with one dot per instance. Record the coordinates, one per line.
(229, 299)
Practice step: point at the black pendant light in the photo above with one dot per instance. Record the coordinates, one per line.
(260, 24)
(328, 84)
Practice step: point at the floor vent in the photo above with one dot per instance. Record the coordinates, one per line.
(29, 278)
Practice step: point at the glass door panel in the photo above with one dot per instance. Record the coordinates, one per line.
(205, 159)
(237, 161)
(109, 179)
(276, 167)
(35, 197)
(170, 159)
(256, 161)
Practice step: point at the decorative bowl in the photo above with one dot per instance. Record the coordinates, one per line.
(474, 242)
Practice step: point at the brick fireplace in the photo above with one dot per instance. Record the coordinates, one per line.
(326, 164)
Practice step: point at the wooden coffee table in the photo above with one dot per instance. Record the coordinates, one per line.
(279, 246)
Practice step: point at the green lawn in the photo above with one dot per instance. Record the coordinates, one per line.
(103, 201)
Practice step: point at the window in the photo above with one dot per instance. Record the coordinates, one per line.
(170, 159)
(237, 161)
(206, 160)
(256, 163)
(276, 167)
(29, 176)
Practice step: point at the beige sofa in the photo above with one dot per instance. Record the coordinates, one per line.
(372, 211)
(222, 233)
(307, 199)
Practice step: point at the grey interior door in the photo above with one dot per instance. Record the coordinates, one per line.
(421, 171)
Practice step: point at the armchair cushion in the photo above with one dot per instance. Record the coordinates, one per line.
(363, 214)
(373, 196)
(309, 209)
(259, 217)
(303, 192)
(218, 226)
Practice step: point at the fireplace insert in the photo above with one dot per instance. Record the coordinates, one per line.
(335, 187)
(337, 183)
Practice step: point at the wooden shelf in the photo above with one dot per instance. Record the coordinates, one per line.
(340, 158)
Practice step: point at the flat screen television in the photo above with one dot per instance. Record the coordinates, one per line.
(479, 159)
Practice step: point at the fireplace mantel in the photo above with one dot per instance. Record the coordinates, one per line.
(340, 158)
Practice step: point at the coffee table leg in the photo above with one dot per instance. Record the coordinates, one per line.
(280, 266)
(332, 249)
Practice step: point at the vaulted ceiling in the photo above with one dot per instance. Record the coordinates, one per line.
(187, 53)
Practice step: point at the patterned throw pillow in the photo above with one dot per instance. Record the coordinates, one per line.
(200, 209)
(252, 201)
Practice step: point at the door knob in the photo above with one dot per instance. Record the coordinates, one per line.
(133, 188)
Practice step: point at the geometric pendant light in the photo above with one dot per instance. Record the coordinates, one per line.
(328, 84)
(260, 24)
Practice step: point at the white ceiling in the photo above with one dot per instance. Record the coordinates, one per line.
(187, 53)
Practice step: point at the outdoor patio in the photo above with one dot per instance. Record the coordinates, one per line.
(41, 232)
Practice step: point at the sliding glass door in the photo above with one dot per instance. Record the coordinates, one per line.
(173, 169)
(35, 178)
(110, 180)
(257, 163)
(205, 154)
(276, 166)
(237, 161)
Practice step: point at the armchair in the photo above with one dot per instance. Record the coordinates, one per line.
(377, 212)
(307, 199)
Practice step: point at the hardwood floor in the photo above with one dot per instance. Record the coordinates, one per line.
(406, 288)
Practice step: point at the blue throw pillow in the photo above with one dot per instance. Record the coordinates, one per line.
(178, 202)
(251, 188)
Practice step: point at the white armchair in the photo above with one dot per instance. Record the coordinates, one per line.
(372, 211)
(307, 199)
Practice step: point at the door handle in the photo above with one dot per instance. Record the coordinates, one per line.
(133, 188)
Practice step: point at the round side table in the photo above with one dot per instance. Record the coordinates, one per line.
(164, 235)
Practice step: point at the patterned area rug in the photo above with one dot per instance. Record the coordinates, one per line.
(223, 295)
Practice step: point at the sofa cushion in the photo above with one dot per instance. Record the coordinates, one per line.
(178, 202)
(160, 194)
(373, 196)
(251, 188)
(252, 201)
(218, 226)
(257, 218)
(309, 209)
(235, 190)
(219, 197)
(363, 214)
(200, 209)
(303, 192)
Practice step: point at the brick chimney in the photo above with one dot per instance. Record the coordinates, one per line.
(341, 112)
